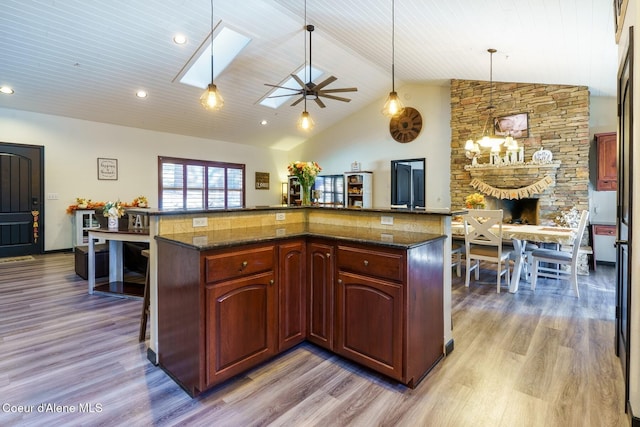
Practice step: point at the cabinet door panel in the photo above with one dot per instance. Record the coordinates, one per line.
(369, 322)
(320, 294)
(292, 296)
(240, 326)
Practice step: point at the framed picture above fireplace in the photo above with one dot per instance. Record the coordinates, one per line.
(515, 125)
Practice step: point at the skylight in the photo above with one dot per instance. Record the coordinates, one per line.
(290, 82)
(227, 44)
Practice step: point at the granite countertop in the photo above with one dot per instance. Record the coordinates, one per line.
(223, 238)
(383, 209)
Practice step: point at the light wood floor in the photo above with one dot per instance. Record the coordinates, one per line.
(543, 359)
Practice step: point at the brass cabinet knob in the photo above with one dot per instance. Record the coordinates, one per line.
(366, 263)
(340, 281)
(244, 264)
(328, 254)
(271, 282)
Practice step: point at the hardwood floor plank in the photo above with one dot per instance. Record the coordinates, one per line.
(536, 359)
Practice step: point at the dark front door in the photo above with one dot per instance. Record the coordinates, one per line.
(624, 280)
(21, 187)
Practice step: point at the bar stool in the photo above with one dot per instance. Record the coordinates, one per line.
(457, 250)
(145, 301)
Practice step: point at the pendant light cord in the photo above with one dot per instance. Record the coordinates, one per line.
(211, 41)
(307, 78)
(393, 45)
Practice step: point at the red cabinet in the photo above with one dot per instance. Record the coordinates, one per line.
(606, 146)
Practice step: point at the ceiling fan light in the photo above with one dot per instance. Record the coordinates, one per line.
(305, 122)
(211, 98)
(393, 106)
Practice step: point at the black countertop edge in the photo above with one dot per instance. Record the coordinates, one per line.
(201, 241)
(169, 212)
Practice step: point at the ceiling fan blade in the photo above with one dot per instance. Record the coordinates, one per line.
(300, 82)
(283, 87)
(320, 103)
(325, 82)
(337, 98)
(298, 101)
(287, 95)
(344, 89)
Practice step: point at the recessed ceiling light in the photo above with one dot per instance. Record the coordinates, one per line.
(180, 39)
(6, 90)
(141, 94)
(263, 122)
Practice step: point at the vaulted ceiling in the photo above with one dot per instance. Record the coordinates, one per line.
(86, 58)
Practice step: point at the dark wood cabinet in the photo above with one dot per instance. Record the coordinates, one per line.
(292, 293)
(369, 322)
(389, 308)
(223, 311)
(240, 325)
(607, 149)
(320, 301)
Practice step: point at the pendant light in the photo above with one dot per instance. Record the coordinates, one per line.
(211, 98)
(393, 106)
(305, 122)
(488, 138)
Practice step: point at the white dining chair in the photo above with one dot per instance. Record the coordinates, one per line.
(483, 242)
(560, 258)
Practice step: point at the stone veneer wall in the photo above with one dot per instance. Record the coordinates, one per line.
(558, 121)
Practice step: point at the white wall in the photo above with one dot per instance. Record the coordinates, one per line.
(73, 146)
(602, 204)
(364, 136)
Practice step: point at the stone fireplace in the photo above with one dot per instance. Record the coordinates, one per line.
(525, 192)
(558, 121)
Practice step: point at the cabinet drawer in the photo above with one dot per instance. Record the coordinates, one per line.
(385, 265)
(604, 230)
(230, 265)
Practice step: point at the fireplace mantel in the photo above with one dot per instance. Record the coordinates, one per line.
(514, 176)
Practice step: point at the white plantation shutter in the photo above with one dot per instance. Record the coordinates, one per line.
(197, 184)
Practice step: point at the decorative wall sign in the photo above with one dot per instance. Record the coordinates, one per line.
(513, 193)
(107, 168)
(262, 180)
(515, 125)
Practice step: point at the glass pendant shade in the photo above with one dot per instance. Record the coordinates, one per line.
(211, 98)
(305, 122)
(393, 106)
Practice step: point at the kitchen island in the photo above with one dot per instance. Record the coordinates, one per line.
(198, 224)
(231, 299)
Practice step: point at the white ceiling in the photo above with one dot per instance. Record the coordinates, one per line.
(86, 58)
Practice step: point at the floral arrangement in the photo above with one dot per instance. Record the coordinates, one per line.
(140, 201)
(474, 201)
(113, 209)
(306, 172)
(84, 203)
(570, 218)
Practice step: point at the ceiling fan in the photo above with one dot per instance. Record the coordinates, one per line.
(312, 91)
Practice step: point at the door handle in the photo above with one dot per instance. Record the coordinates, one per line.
(34, 201)
(621, 242)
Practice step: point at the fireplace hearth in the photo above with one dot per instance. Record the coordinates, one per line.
(516, 211)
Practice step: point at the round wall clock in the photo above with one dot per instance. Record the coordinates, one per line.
(406, 126)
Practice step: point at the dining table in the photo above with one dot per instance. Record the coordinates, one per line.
(520, 234)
